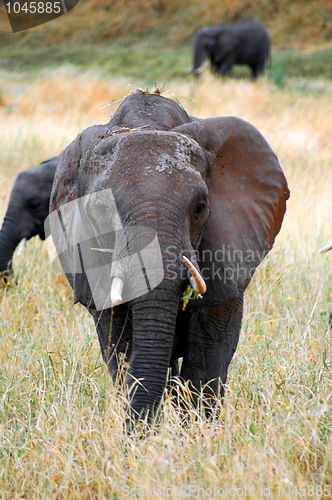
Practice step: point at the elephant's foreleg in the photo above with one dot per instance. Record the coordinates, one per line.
(212, 341)
(225, 64)
(257, 70)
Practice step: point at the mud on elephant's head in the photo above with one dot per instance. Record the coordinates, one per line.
(27, 210)
(130, 200)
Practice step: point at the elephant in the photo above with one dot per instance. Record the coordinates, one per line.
(243, 42)
(160, 220)
(27, 210)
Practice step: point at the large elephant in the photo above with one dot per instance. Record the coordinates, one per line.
(166, 187)
(27, 210)
(243, 42)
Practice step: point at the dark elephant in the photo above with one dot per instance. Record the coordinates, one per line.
(209, 190)
(243, 42)
(27, 210)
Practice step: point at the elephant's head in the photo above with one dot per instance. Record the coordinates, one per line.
(27, 210)
(210, 190)
(204, 47)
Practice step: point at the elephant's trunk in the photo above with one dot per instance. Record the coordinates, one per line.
(9, 239)
(154, 320)
(200, 56)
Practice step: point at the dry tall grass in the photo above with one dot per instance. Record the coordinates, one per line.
(61, 422)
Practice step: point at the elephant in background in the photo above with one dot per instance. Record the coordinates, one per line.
(211, 193)
(27, 210)
(243, 42)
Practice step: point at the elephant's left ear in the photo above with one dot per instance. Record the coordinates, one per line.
(248, 193)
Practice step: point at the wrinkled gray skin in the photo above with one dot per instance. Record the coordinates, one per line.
(203, 185)
(243, 42)
(27, 210)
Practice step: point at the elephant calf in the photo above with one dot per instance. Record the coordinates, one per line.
(160, 220)
(243, 42)
(27, 210)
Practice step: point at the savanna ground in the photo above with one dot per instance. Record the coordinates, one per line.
(61, 421)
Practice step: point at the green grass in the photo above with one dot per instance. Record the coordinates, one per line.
(156, 63)
(112, 61)
(291, 64)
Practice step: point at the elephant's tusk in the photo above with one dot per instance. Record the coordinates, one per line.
(189, 69)
(116, 291)
(21, 246)
(196, 280)
(106, 250)
(326, 247)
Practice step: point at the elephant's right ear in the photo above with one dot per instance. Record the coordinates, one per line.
(65, 191)
(248, 193)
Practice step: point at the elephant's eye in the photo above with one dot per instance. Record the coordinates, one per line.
(100, 210)
(200, 208)
(33, 203)
(96, 210)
